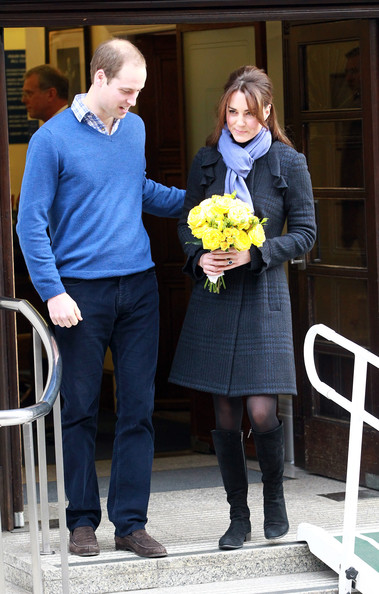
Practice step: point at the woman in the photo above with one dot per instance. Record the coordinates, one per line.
(237, 345)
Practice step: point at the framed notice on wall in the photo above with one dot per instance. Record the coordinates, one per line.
(20, 128)
(67, 50)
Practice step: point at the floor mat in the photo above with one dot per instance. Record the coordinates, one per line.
(181, 479)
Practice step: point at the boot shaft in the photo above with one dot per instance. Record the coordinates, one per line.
(231, 458)
(270, 453)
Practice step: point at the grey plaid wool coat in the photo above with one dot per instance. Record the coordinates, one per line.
(239, 342)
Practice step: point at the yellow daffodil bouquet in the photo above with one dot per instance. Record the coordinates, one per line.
(224, 222)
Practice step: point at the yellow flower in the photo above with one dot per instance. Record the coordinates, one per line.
(211, 239)
(206, 206)
(208, 211)
(218, 222)
(242, 240)
(257, 235)
(198, 232)
(195, 217)
(221, 204)
(228, 238)
(239, 213)
(245, 225)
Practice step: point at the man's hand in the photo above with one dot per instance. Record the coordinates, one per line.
(63, 311)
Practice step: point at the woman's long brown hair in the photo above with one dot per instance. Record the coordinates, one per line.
(258, 90)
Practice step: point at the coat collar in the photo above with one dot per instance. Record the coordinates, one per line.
(210, 159)
(212, 156)
(274, 164)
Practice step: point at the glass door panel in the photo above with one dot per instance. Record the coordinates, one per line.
(341, 303)
(335, 370)
(332, 76)
(335, 153)
(341, 233)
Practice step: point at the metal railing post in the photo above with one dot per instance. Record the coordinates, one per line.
(27, 430)
(61, 494)
(2, 570)
(353, 470)
(46, 400)
(41, 441)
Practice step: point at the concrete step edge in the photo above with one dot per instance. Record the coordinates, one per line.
(321, 582)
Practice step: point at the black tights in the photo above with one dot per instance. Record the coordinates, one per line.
(261, 410)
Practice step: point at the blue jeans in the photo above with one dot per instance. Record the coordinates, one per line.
(122, 313)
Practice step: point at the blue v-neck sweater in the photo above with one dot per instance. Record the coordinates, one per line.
(88, 190)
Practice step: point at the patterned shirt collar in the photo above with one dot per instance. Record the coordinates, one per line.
(85, 115)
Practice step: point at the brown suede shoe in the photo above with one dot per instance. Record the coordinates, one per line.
(141, 544)
(83, 542)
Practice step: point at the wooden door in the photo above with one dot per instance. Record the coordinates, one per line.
(332, 109)
(158, 105)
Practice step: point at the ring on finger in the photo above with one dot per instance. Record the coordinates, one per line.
(230, 262)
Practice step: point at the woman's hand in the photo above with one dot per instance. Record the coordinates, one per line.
(214, 263)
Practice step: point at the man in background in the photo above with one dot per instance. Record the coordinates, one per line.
(45, 92)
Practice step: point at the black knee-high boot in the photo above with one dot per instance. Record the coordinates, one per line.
(270, 453)
(232, 462)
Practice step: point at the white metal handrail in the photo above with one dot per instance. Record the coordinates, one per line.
(46, 400)
(358, 416)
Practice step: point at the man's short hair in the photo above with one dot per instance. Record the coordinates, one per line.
(49, 77)
(111, 55)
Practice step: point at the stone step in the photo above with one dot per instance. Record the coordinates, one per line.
(319, 582)
(186, 565)
(12, 589)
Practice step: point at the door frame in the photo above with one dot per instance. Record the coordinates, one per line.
(10, 443)
(21, 13)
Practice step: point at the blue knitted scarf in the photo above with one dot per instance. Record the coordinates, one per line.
(239, 160)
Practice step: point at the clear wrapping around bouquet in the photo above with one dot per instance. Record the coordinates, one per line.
(224, 222)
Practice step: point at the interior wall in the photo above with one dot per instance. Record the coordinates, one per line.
(98, 35)
(274, 42)
(209, 57)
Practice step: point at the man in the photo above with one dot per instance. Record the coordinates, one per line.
(353, 77)
(85, 180)
(45, 92)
